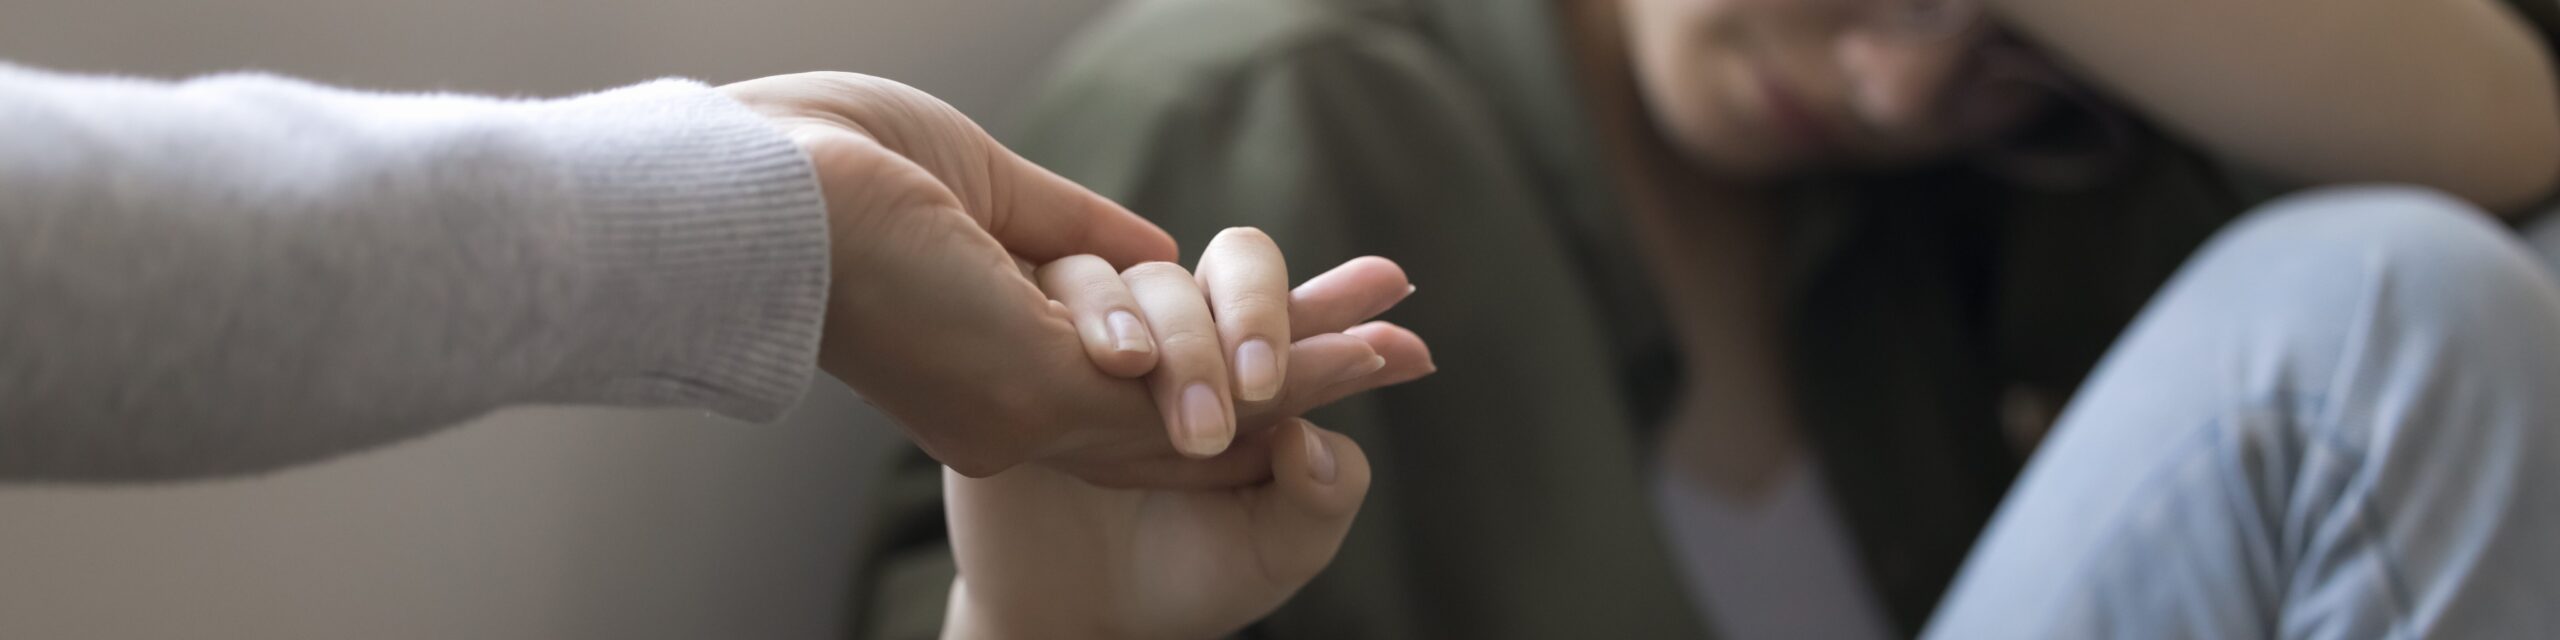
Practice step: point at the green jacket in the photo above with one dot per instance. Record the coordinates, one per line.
(1510, 500)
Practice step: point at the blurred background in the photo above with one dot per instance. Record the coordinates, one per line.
(543, 523)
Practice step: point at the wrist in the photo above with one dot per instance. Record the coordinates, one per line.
(961, 618)
(838, 160)
(703, 237)
(968, 618)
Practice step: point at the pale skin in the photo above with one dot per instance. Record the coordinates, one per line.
(1044, 555)
(933, 322)
(1042, 389)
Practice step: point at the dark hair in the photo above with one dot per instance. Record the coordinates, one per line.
(2072, 137)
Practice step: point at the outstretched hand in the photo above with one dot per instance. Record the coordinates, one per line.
(1043, 554)
(930, 319)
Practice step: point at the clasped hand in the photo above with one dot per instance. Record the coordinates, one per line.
(1043, 554)
(930, 318)
(1173, 492)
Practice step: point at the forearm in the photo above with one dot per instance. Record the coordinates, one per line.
(2452, 94)
(237, 273)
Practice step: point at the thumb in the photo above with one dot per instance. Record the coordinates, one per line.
(1044, 216)
(1318, 481)
(933, 323)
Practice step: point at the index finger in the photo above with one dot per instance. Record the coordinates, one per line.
(1334, 366)
(1353, 292)
(1046, 217)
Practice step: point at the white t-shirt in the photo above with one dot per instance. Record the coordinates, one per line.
(1783, 568)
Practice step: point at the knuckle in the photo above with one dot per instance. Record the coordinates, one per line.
(1105, 287)
(1244, 256)
(1081, 264)
(1153, 270)
(1243, 234)
(1087, 276)
(1189, 340)
(1253, 305)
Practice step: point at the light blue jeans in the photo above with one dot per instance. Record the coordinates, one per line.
(2340, 420)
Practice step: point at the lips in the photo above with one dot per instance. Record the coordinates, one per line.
(1794, 119)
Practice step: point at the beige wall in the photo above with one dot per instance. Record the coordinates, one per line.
(532, 524)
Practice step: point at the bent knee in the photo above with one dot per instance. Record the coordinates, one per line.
(2292, 281)
(2356, 294)
(2365, 222)
(2422, 243)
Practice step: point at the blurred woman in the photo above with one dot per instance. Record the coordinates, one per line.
(1749, 311)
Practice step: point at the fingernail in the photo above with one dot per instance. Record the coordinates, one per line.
(1361, 369)
(1384, 305)
(1204, 423)
(1319, 457)
(1257, 371)
(1129, 333)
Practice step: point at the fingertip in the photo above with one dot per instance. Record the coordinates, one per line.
(1367, 330)
(1408, 357)
(1119, 363)
(1320, 461)
(1348, 453)
(1329, 469)
(1380, 265)
(1259, 370)
(1252, 235)
(1203, 429)
(1126, 348)
(1349, 293)
(1322, 361)
(1371, 270)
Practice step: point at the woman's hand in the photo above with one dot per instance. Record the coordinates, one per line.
(1045, 555)
(926, 315)
(929, 318)
(1200, 365)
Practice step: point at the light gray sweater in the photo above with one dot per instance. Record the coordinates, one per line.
(236, 273)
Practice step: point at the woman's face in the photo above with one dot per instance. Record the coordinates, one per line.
(1767, 87)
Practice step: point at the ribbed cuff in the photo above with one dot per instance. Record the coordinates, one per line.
(706, 233)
